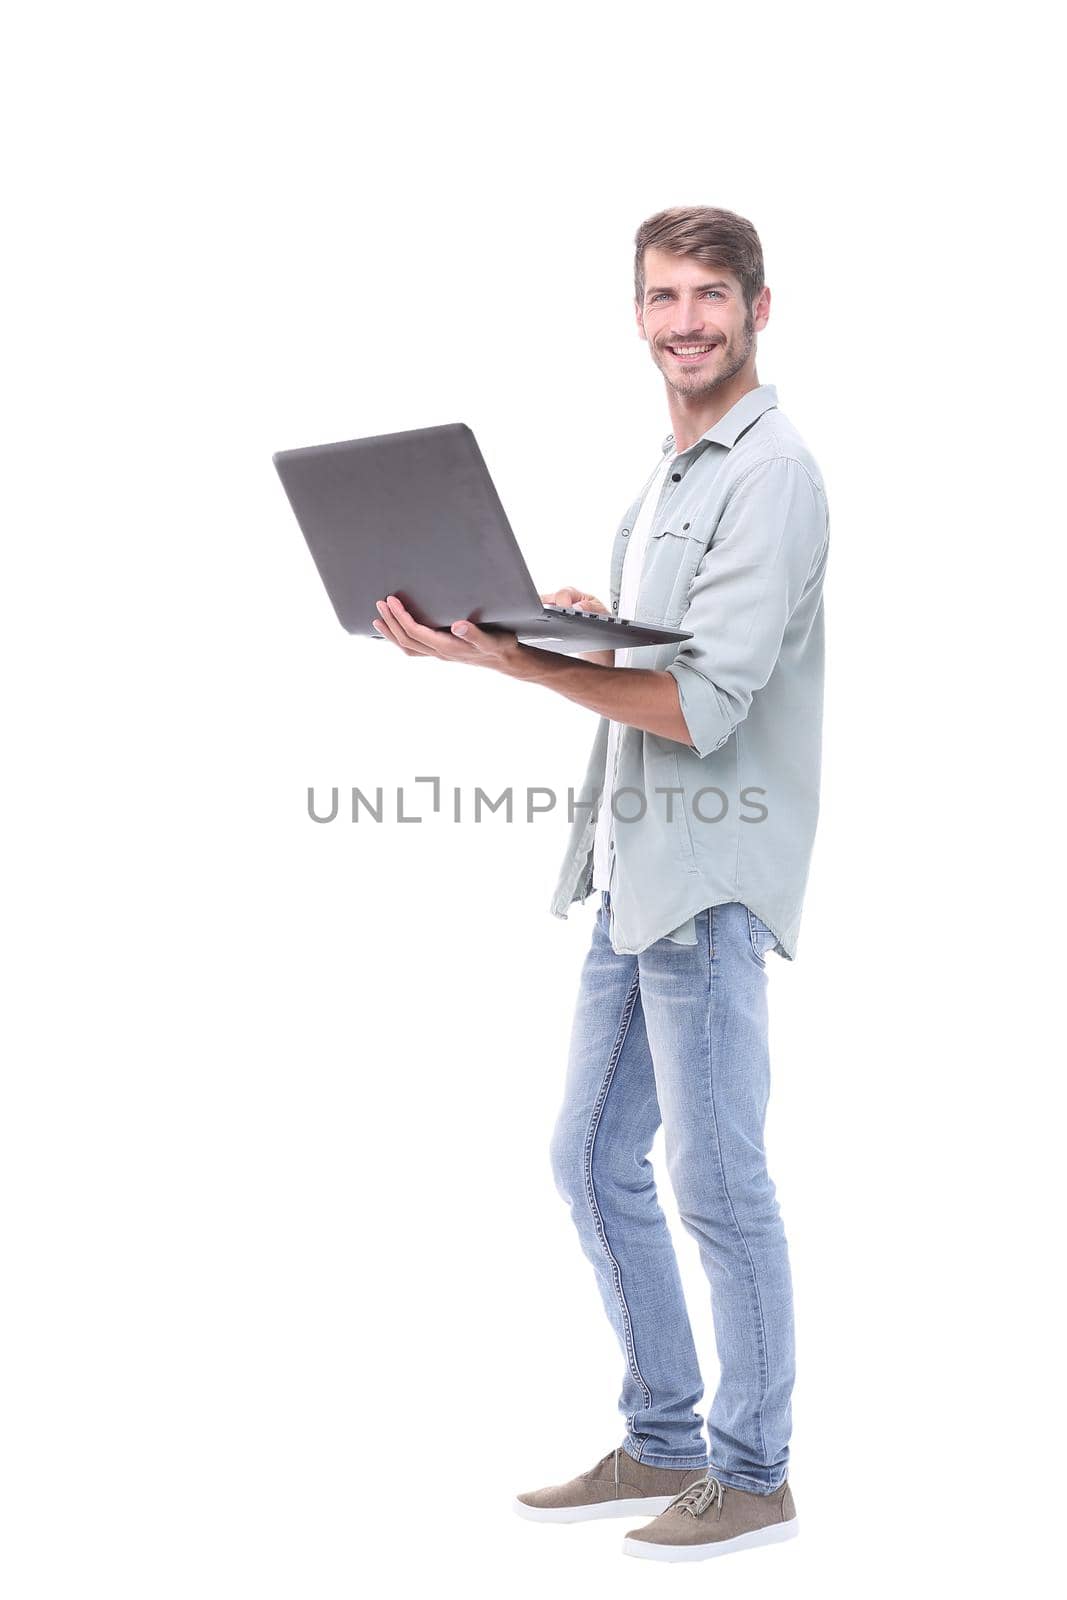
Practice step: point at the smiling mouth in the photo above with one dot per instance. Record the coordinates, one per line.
(691, 355)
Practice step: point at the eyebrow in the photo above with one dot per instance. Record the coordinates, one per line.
(666, 288)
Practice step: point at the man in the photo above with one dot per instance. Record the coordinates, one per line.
(705, 765)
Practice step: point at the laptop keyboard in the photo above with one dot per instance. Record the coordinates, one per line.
(589, 616)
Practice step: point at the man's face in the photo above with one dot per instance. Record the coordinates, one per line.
(690, 305)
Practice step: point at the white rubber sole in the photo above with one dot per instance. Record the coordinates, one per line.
(644, 1506)
(776, 1533)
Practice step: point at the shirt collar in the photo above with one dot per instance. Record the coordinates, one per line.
(740, 416)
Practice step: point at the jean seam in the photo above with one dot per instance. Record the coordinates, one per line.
(598, 1221)
(733, 1217)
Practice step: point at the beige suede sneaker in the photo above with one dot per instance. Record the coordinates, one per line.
(618, 1486)
(710, 1518)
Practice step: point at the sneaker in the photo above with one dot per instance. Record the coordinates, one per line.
(710, 1518)
(618, 1486)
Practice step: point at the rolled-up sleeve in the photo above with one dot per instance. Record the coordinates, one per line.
(766, 548)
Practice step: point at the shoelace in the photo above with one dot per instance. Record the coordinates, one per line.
(698, 1497)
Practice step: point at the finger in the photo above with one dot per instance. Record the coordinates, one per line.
(392, 630)
(434, 641)
(397, 633)
(476, 637)
(384, 633)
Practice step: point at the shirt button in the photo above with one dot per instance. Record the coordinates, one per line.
(625, 531)
(676, 477)
(614, 605)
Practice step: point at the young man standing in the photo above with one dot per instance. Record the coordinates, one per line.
(706, 765)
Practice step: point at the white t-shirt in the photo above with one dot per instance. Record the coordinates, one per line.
(629, 588)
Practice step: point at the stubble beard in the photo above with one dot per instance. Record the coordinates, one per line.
(735, 354)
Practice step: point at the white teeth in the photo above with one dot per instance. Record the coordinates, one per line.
(689, 349)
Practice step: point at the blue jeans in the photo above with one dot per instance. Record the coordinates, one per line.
(678, 1034)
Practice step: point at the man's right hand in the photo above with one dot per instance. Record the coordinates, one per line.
(574, 597)
(583, 602)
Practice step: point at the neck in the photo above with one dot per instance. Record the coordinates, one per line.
(693, 415)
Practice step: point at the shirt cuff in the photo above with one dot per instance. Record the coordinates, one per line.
(701, 708)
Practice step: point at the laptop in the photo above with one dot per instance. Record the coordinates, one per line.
(417, 515)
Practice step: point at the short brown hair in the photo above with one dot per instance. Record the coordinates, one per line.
(717, 238)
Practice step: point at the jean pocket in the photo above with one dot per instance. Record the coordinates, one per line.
(761, 937)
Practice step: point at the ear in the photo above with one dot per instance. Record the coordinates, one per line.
(762, 310)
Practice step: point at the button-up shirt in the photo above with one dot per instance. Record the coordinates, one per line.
(736, 557)
(629, 598)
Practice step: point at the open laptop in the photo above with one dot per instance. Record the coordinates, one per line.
(417, 515)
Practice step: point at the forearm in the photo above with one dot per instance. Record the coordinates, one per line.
(633, 695)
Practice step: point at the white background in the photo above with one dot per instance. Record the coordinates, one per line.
(289, 1288)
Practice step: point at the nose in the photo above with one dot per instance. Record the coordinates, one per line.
(691, 322)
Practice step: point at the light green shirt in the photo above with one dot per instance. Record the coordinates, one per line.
(736, 557)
